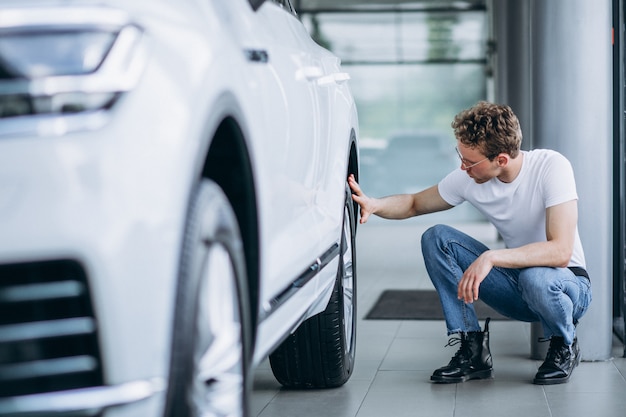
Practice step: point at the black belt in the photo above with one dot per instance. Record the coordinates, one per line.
(579, 272)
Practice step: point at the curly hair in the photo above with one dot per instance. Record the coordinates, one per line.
(492, 128)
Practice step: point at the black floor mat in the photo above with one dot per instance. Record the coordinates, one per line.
(419, 305)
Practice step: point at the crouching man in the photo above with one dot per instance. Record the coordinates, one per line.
(531, 199)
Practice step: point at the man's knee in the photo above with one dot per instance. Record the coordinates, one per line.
(434, 233)
(536, 283)
(530, 281)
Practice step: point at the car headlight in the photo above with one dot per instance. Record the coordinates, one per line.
(64, 62)
(36, 55)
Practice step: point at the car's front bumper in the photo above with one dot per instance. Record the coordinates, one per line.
(131, 398)
(113, 202)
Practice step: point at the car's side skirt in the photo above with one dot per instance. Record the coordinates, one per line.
(306, 276)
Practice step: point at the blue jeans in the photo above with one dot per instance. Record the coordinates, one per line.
(553, 296)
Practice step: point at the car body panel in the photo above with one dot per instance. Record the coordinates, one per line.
(115, 198)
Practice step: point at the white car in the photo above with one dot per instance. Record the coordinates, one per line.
(173, 206)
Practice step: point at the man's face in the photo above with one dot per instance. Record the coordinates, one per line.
(476, 164)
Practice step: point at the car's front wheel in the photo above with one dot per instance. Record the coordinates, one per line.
(209, 366)
(320, 354)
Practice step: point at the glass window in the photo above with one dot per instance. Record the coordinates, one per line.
(411, 72)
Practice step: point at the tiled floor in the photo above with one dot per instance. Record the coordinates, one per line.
(396, 358)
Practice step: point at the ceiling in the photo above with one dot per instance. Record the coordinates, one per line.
(375, 5)
(398, 32)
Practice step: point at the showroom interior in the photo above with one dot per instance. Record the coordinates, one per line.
(413, 66)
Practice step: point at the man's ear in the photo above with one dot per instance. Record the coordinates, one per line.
(503, 160)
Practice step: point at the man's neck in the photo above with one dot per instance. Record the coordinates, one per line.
(512, 169)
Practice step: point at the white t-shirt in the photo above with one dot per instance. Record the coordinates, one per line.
(518, 209)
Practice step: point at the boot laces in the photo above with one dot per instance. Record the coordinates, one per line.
(557, 351)
(464, 352)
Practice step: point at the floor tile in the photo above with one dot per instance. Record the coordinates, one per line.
(599, 404)
(499, 398)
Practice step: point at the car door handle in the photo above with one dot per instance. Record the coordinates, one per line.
(336, 78)
(312, 73)
(341, 77)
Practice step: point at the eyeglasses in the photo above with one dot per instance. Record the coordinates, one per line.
(464, 164)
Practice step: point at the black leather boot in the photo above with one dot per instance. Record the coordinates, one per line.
(471, 361)
(560, 362)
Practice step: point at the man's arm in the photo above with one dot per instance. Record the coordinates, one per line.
(399, 206)
(557, 251)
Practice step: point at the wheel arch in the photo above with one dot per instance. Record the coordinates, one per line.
(228, 163)
(353, 168)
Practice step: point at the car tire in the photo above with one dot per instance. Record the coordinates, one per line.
(210, 348)
(320, 353)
